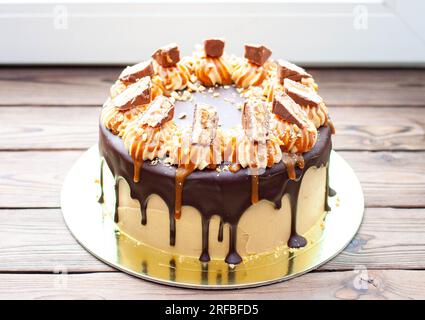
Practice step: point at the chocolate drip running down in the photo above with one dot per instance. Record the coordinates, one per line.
(227, 195)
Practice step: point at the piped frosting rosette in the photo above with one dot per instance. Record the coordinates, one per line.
(211, 66)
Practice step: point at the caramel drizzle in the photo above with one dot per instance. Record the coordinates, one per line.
(138, 149)
(234, 167)
(213, 163)
(137, 166)
(182, 172)
(291, 160)
(254, 188)
(270, 157)
(234, 149)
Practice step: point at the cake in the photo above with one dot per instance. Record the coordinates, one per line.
(215, 156)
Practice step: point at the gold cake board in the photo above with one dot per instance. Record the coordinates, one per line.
(96, 231)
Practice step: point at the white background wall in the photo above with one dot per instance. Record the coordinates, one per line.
(314, 32)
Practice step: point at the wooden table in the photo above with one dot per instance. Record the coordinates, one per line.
(49, 117)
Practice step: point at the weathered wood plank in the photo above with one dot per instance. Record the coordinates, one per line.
(382, 284)
(377, 87)
(89, 86)
(390, 179)
(34, 178)
(37, 240)
(48, 128)
(373, 129)
(387, 239)
(366, 128)
(56, 86)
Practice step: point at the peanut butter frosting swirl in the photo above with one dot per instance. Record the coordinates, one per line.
(246, 74)
(116, 120)
(171, 79)
(293, 139)
(211, 71)
(147, 143)
(173, 144)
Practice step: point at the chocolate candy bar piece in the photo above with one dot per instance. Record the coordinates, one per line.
(136, 94)
(133, 73)
(255, 120)
(167, 56)
(288, 110)
(214, 47)
(285, 69)
(301, 94)
(160, 111)
(205, 122)
(257, 54)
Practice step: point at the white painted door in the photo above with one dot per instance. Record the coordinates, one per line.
(314, 32)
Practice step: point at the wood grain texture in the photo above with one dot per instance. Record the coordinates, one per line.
(371, 87)
(56, 86)
(374, 129)
(387, 239)
(37, 240)
(373, 284)
(89, 86)
(390, 179)
(366, 128)
(34, 178)
(48, 128)
(50, 115)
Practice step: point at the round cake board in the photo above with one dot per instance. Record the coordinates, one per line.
(93, 227)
